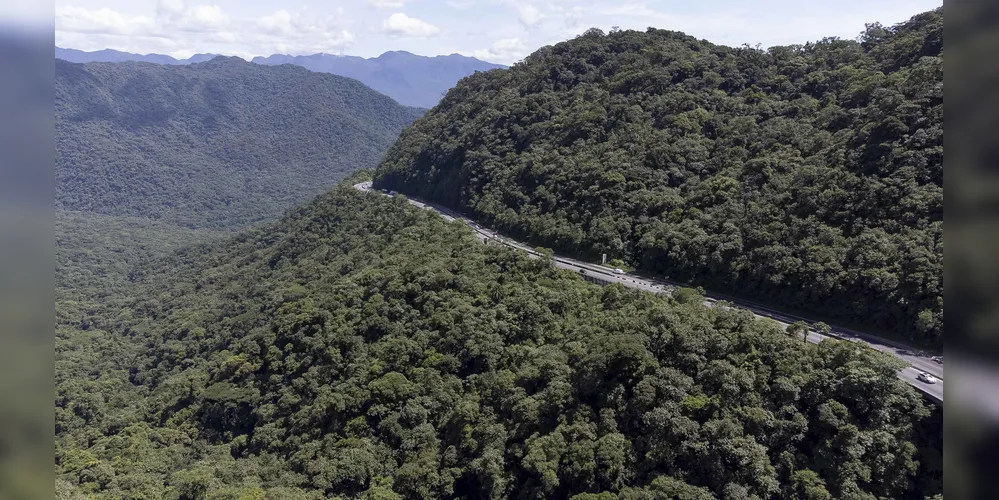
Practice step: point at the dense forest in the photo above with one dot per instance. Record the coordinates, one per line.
(363, 348)
(222, 143)
(96, 254)
(808, 176)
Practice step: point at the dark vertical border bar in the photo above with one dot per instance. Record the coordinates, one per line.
(971, 272)
(26, 258)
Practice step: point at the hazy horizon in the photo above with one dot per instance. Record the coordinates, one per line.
(498, 31)
(268, 55)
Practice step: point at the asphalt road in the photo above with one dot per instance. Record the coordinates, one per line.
(918, 361)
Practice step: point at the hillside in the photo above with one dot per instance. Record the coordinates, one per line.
(809, 177)
(410, 79)
(221, 144)
(363, 348)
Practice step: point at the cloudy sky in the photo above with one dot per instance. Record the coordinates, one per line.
(500, 31)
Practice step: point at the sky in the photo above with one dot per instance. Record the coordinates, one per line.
(500, 31)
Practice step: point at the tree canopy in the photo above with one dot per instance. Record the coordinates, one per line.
(363, 348)
(809, 176)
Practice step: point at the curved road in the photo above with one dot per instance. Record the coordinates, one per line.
(918, 361)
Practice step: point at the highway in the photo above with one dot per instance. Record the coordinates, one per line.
(917, 360)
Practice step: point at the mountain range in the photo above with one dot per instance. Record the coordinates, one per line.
(111, 55)
(410, 79)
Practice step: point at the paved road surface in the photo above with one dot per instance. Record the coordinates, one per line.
(918, 361)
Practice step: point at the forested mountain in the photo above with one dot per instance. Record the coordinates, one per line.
(222, 143)
(364, 348)
(408, 78)
(808, 176)
(111, 55)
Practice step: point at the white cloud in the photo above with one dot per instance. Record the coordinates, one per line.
(504, 51)
(181, 54)
(528, 15)
(203, 18)
(277, 23)
(386, 4)
(400, 24)
(175, 15)
(460, 4)
(179, 29)
(295, 33)
(166, 9)
(100, 21)
(223, 37)
(172, 17)
(572, 18)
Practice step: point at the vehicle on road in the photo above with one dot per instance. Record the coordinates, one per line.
(618, 271)
(582, 271)
(937, 359)
(926, 377)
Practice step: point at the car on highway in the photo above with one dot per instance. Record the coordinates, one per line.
(582, 271)
(618, 271)
(937, 359)
(926, 377)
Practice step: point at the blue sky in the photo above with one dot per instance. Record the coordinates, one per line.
(502, 31)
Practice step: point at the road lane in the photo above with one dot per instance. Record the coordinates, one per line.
(918, 361)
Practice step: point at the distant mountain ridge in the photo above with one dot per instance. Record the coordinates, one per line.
(111, 55)
(410, 79)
